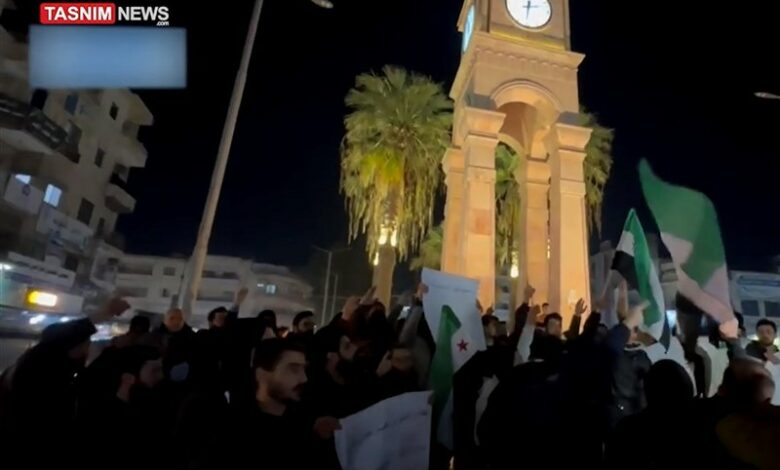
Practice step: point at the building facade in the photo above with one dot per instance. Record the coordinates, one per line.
(153, 284)
(65, 159)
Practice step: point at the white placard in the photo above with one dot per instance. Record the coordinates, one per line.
(460, 294)
(393, 434)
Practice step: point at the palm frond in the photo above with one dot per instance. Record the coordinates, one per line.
(396, 134)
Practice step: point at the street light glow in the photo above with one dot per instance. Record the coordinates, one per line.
(323, 3)
(766, 95)
(5, 267)
(44, 299)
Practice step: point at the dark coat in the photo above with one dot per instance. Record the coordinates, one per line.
(629, 367)
(39, 392)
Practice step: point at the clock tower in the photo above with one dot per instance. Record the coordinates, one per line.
(517, 84)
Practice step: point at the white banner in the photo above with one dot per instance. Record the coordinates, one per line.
(394, 434)
(460, 294)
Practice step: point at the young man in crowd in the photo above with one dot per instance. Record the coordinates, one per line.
(764, 348)
(271, 433)
(303, 324)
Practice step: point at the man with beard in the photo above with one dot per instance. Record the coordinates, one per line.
(39, 391)
(271, 434)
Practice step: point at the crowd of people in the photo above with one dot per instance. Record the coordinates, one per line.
(245, 393)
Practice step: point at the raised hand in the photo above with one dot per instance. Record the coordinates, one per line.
(422, 289)
(369, 296)
(528, 294)
(113, 308)
(580, 307)
(241, 296)
(351, 304)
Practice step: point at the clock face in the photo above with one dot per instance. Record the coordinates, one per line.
(530, 13)
(468, 28)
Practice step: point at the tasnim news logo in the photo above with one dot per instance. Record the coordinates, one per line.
(101, 13)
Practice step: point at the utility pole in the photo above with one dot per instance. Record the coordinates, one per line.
(210, 209)
(335, 296)
(325, 290)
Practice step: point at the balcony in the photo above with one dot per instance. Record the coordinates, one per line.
(29, 129)
(117, 198)
(130, 150)
(49, 168)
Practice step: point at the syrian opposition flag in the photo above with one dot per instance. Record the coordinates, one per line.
(454, 348)
(689, 229)
(633, 262)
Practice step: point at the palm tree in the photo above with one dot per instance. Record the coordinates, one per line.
(395, 137)
(429, 254)
(598, 165)
(507, 204)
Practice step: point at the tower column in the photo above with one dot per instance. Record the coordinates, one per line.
(534, 177)
(454, 178)
(568, 225)
(479, 130)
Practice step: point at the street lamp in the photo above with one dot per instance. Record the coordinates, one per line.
(327, 279)
(766, 95)
(218, 175)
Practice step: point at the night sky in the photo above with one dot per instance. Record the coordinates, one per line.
(674, 79)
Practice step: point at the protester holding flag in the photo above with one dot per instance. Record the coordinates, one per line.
(689, 229)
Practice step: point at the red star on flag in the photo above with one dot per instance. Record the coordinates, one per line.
(463, 345)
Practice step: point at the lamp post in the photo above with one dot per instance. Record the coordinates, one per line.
(218, 175)
(327, 279)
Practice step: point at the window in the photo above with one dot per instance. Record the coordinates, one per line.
(750, 308)
(74, 133)
(85, 211)
(52, 195)
(23, 178)
(71, 102)
(270, 289)
(772, 309)
(39, 98)
(114, 111)
(101, 226)
(99, 156)
(505, 289)
(71, 263)
(169, 271)
(134, 291)
(166, 293)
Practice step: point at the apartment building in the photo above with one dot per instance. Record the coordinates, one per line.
(153, 284)
(65, 159)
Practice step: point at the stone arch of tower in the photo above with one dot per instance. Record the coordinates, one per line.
(524, 93)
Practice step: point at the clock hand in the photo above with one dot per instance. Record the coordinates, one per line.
(528, 7)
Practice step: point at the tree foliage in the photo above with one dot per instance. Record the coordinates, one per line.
(429, 253)
(507, 203)
(396, 134)
(598, 165)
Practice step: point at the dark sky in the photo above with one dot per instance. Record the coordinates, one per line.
(675, 81)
